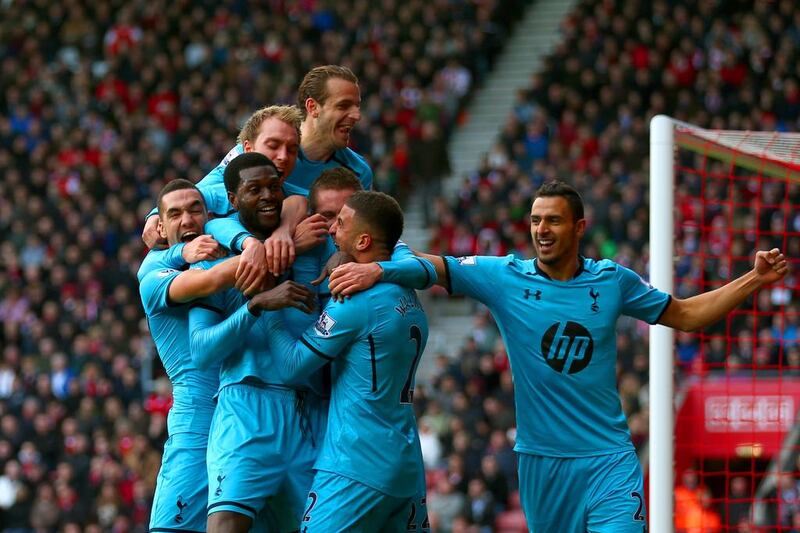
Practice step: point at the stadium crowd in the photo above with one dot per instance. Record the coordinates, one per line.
(584, 117)
(104, 103)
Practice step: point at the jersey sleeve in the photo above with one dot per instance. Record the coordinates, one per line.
(339, 324)
(229, 232)
(290, 189)
(640, 299)
(408, 270)
(214, 332)
(475, 276)
(154, 289)
(172, 257)
(212, 186)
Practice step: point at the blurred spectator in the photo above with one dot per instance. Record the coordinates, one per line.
(480, 506)
(738, 502)
(101, 105)
(444, 505)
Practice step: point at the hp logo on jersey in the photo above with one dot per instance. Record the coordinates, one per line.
(567, 347)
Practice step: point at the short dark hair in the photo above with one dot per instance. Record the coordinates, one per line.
(566, 191)
(337, 179)
(315, 83)
(176, 185)
(242, 162)
(380, 213)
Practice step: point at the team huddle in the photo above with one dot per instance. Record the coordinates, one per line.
(283, 306)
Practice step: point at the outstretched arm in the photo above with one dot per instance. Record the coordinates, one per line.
(442, 279)
(704, 309)
(405, 269)
(196, 283)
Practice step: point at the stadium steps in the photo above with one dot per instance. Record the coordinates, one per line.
(450, 319)
(533, 38)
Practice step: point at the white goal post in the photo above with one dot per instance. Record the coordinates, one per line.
(775, 154)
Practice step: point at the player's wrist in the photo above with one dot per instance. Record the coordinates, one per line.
(249, 241)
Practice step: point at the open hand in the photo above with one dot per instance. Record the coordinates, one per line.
(252, 267)
(310, 232)
(202, 248)
(280, 252)
(351, 278)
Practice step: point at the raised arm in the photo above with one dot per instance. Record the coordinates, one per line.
(702, 310)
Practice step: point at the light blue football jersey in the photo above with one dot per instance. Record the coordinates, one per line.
(224, 331)
(376, 339)
(171, 257)
(193, 389)
(560, 337)
(303, 175)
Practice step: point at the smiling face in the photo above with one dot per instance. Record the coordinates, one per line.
(336, 117)
(555, 232)
(279, 141)
(258, 199)
(182, 216)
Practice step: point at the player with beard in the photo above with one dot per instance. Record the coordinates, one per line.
(329, 101)
(370, 463)
(275, 132)
(180, 499)
(260, 443)
(557, 313)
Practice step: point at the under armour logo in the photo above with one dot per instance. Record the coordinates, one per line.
(594, 294)
(220, 478)
(536, 295)
(181, 506)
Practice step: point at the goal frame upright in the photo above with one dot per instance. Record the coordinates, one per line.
(662, 413)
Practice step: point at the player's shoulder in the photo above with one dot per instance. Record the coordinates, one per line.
(155, 275)
(510, 261)
(348, 155)
(216, 174)
(353, 161)
(599, 267)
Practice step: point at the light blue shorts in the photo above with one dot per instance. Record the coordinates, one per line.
(260, 454)
(179, 503)
(602, 494)
(337, 503)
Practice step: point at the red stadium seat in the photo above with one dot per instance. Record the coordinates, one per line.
(511, 522)
(513, 501)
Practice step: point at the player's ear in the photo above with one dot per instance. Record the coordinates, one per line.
(160, 229)
(580, 227)
(233, 200)
(312, 107)
(363, 242)
(248, 147)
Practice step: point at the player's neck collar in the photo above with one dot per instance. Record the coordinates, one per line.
(301, 154)
(545, 275)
